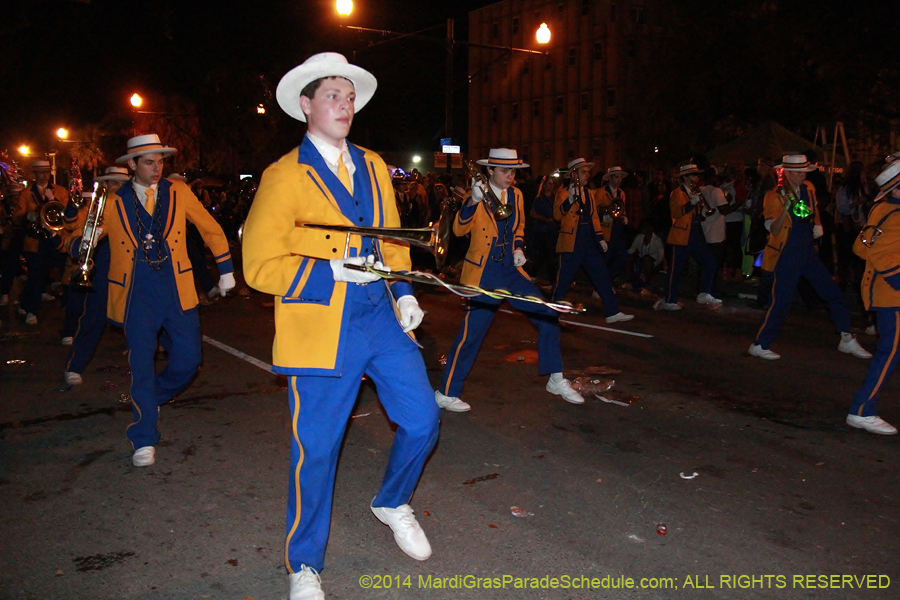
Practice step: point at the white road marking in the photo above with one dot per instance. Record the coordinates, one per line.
(243, 356)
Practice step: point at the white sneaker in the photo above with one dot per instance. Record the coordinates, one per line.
(451, 403)
(72, 378)
(215, 292)
(407, 532)
(849, 345)
(144, 457)
(306, 585)
(564, 389)
(4, 299)
(30, 319)
(872, 424)
(619, 317)
(45, 297)
(663, 305)
(708, 299)
(67, 341)
(757, 350)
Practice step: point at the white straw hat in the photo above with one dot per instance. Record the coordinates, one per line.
(114, 174)
(503, 157)
(145, 144)
(317, 66)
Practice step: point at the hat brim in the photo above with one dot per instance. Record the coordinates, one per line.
(117, 177)
(165, 151)
(288, 91)
(486, 162)
(606, 176)
(691, 172)
(806, 169)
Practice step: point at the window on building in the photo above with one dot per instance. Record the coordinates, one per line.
(536, 108)
(612, 12)
(610, 97)
(585, 7)
(631, 48)
(573, 56)
(515, 25)
(548, 64)
(598, 51)
(585, 100)
(526, 66)
(514, 112)
(559, 105)
(495, 30)
(495, 113)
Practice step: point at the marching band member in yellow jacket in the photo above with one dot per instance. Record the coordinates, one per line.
(333, 324)
(151, 287)
(611, 203)
(494, 261)
(583, 240)
(792, 218)
(686, 239)
(879, 245)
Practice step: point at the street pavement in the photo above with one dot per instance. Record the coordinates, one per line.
(786, 499)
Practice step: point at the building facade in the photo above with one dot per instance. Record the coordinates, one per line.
(562, 105)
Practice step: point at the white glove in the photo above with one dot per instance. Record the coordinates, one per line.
(817, 232)
(572, 192)
(603, 246)
(32, 217)
(48, 193)
(351, 275)
(624, 220)
(695, 199)
(518, 257)
(478, 191)
(226, 283)
(410, 313)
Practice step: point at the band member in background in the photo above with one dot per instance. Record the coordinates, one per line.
(686, 239)
(333, 324)
(611, 204)
(879, 245)
(151, 287)
(43, 248)
(89, 309)
(582, 240)
(792, 218)
(494, 261)
(75, 217)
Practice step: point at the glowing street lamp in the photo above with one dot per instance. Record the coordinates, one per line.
(344, 7)
(24, 150)
(260, 110)
(136, 100)
(62, 133)
(543, 34)
(417, 159)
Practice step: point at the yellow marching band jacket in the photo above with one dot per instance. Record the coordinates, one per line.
(568, 221)
(177, 205)
(881, 280)
(29, 203)
(682, 216)
(604, 201)
(482, 226)
(292, 263)
(773, 206)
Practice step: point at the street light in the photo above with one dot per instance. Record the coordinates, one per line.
(24, 150)
(543, 34)
(260, 110)
(417, 159)
(62, 133)
(344, 7)
(136, 100)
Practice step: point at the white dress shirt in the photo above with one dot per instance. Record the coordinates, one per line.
(332, 155)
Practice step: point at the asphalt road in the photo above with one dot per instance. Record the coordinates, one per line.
(783, 488)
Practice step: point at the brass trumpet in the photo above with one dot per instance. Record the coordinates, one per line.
(435, 238)
(500, 211)
(84, 273)
(705, 209)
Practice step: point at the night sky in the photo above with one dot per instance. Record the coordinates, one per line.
(70, 63)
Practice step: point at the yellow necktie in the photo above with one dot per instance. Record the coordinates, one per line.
(344, 174)
(503, 197)
(151, 200)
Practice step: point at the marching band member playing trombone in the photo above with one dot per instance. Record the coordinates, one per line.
(494, 216)
(334, 324)
(879, 245)
(792, 218)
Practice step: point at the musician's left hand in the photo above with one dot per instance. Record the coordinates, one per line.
(518, 257)
(817, 232)
(226, 283)
(624, 220)
(410, 313)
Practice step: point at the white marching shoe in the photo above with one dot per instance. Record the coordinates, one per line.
(563, 388)
(708, 299)
(451, 403)
(306, 585)
(619, 317)
(872, 424)
(849, 345)
(72, 378)
(407, 532)
(759, 351)
(144, 456)
(663, 305)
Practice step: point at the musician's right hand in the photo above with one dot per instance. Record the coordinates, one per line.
(478, 191)
(603, 246)
(572, 189)
(345, 275)
(695, 199)
(48, 193)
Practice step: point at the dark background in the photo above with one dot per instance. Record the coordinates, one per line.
(717, 69)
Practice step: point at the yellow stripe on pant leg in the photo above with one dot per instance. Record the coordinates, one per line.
(138, 408)
(294, 417)
(887, 363)
(771, 306)
(458, 350)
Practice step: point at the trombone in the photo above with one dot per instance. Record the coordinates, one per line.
(84, 274)
(500, 211)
